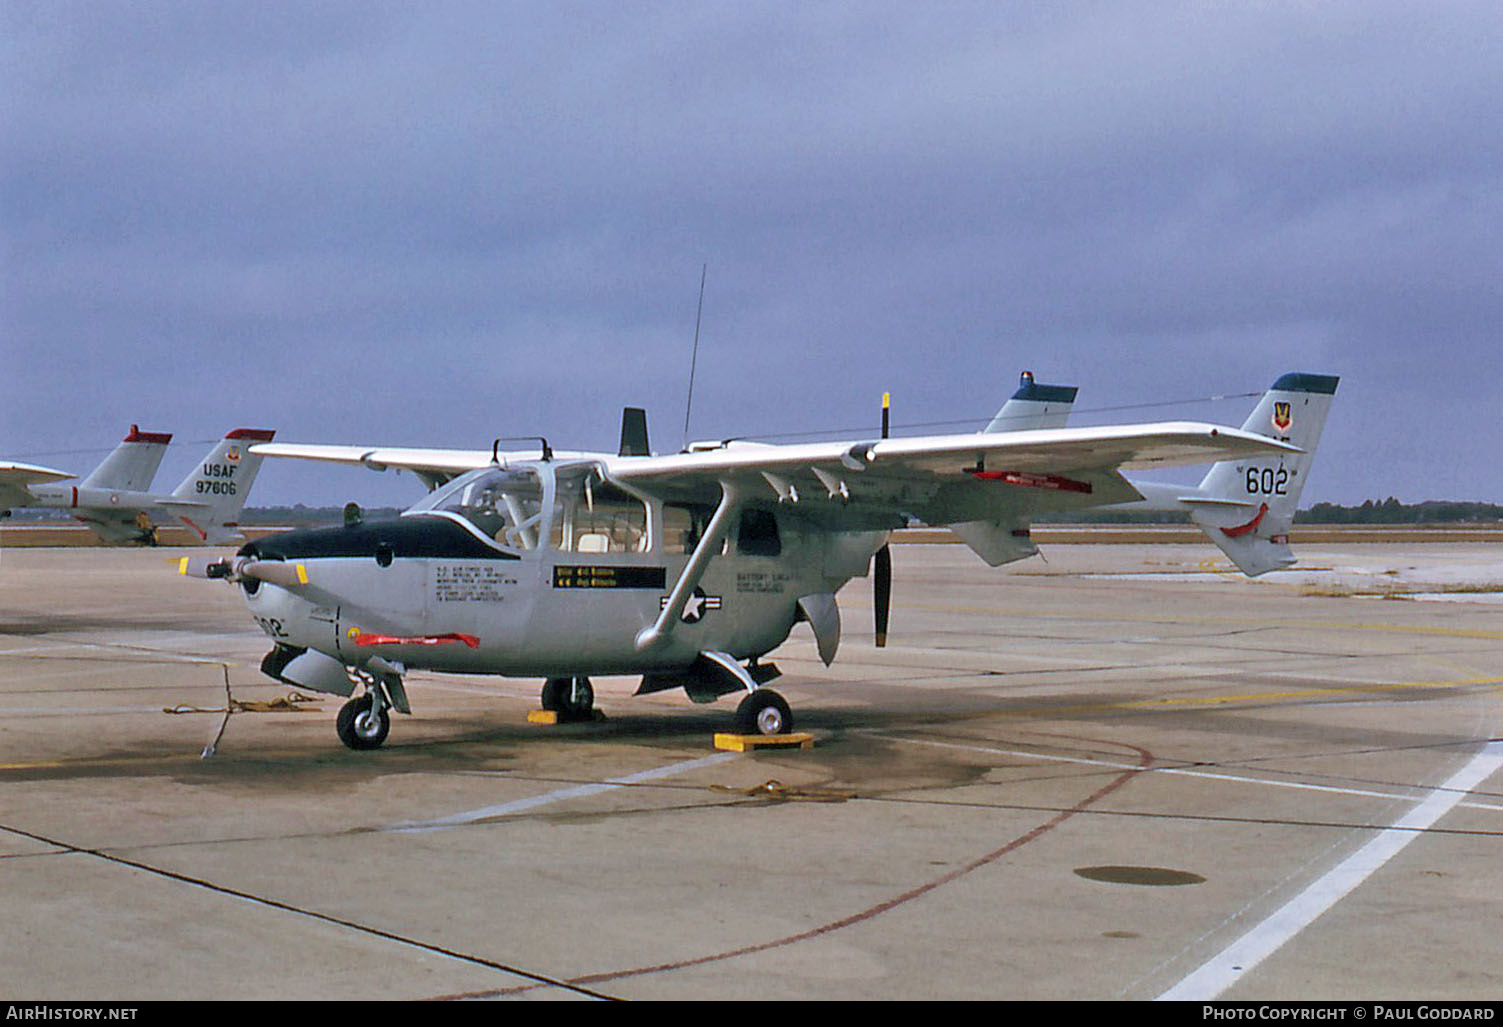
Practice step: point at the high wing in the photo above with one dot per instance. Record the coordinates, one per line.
(878, 483)
(433, 466)
(946, 479)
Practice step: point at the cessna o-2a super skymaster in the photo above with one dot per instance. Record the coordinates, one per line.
(688, 569)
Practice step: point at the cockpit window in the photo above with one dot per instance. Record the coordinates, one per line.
(594, 516)
(503, 504)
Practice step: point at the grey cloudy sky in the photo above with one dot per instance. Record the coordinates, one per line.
(432, 224)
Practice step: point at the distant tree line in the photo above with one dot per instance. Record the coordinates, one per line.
(307, 515)
(1372, 511)
(1391, 511)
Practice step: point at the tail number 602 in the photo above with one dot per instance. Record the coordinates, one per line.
(1267, 481)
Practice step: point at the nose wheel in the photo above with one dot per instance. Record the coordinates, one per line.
(363, 722)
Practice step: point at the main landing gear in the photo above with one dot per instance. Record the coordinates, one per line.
(570, 698)
(764, 712)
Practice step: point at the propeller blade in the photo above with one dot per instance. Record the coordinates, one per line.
(275, 572)
(882, 574)
(205, 566)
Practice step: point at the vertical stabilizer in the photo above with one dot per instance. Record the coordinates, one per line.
(1247, 506)
(217, 488)
(133, 463)
(1034, 406)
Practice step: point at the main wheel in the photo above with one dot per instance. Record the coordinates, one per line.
(582, 699)
(570, 698)
(764, 712)
(361, 728)
(556, 695)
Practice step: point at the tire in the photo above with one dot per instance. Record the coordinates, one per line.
(358, 729)
(581, 700)
(556, 695)
(764, 712)
(570, 698)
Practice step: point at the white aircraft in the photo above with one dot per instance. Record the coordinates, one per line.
(114, 501)
(687, 569)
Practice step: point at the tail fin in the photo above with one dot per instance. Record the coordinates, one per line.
(1034, 406)
(1246, 507)
(133, 463)
(217, 488)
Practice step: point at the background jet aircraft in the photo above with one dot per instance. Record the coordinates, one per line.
(114, 501)
(685, 569)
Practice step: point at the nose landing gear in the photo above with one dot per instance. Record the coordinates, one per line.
(363, 722)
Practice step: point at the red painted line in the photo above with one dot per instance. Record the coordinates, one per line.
(469, 640)
(1145, 760)
(155, 437)
(1248, 528)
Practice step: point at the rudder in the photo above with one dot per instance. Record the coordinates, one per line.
(132, 464)
(219, 485)
(1247, 507)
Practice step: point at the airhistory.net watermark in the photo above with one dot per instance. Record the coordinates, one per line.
(45, 1013)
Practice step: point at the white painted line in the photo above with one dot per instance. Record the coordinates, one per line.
(1226, 968)
(76, 711)
(1179, 772)
(547, 798)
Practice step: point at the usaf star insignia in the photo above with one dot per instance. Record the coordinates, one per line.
(696, 607)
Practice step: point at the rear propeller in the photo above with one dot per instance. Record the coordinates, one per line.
(882, 571)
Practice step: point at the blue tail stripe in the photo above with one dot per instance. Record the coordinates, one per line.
(1298, 382)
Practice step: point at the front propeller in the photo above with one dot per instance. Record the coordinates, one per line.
(242, 568)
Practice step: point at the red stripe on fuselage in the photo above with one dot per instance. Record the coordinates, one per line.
(468, 640)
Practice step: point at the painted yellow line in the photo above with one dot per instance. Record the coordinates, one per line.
(1353, 692)
(1309, 693)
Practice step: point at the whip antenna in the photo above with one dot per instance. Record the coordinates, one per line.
(694, 357)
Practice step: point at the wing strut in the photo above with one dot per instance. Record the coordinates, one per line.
(715, 533)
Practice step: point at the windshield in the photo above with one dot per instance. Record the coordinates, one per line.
(503, 504)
